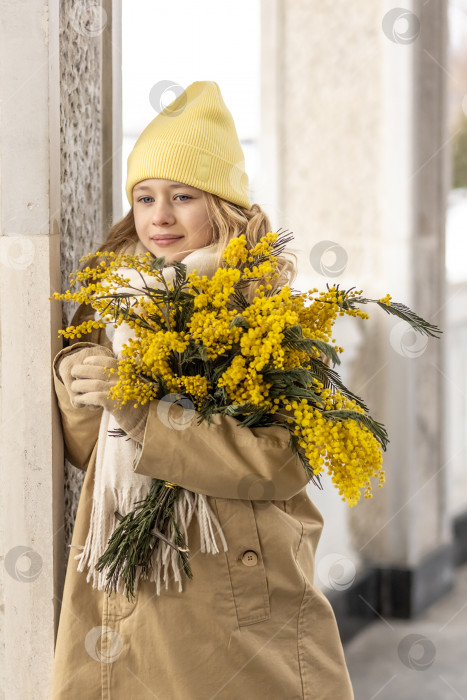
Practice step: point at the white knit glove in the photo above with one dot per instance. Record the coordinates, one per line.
(91, 382)
(75, 355)
(91, 385)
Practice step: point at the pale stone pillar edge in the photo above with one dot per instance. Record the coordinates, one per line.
(111, 114)
(271, 134)
(31, 449)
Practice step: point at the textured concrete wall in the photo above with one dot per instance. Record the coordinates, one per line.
(81, 28)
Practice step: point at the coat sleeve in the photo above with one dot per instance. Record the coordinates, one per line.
(80, 426)
(223, 459)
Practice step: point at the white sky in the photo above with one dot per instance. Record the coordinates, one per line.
(187, 41)
(457, 23)
(456, 215)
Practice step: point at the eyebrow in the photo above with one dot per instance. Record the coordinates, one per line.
(147, 187)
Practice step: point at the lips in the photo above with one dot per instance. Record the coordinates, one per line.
(165, 241)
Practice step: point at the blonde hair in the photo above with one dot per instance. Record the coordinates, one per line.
(228, 220)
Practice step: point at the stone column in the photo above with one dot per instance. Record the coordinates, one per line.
(31, 456)
(60, 185)
(354, 103)
(412, 543)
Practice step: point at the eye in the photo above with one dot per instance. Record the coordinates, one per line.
(141, 199)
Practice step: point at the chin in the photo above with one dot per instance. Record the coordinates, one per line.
(170, 252)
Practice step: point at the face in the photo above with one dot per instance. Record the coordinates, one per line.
(171, 218)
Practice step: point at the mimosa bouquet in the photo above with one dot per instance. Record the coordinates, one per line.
(263, 361)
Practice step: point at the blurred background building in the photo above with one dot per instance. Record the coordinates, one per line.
(353, 121)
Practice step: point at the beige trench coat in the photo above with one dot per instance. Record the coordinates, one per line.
(250, 624)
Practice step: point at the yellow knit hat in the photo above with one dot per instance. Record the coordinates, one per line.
(194, 141)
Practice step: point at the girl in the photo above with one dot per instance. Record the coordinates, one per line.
(250, 623)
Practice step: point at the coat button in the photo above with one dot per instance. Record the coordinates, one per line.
(250, 558)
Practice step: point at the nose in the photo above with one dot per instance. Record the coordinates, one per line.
(162, 213)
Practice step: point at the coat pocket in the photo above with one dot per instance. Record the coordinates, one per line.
(245, 560)
(117, 606)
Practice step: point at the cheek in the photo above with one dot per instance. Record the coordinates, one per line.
(139, 220)
(201, 219)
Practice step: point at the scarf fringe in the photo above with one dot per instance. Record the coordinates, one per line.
(164, 557)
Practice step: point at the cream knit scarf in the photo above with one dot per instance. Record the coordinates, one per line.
(117, 487)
